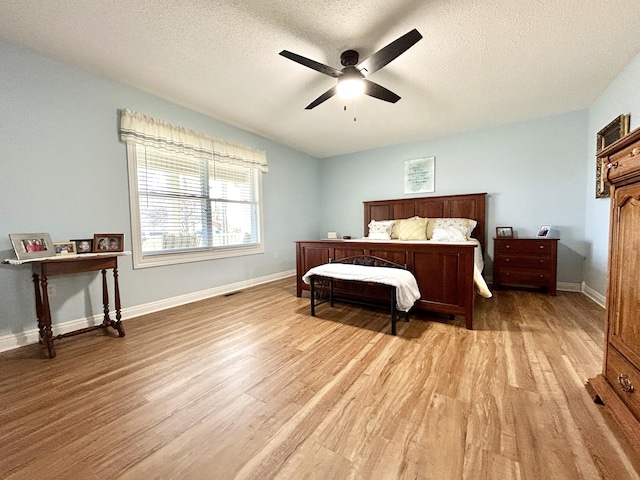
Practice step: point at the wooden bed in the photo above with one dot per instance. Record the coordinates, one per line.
(445, 272)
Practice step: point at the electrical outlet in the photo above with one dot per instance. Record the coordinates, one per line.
(51, 289)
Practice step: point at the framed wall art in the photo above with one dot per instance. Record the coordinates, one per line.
(618, 128)
(32, 245)
(419, 175)
(108, 242)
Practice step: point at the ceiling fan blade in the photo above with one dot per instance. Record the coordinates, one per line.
(389, 53)
(320, 67)
(325, 96)
(378, 91)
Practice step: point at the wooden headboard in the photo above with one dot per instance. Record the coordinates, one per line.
(458, 206)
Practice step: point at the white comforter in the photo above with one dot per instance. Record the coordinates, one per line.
(406, 285)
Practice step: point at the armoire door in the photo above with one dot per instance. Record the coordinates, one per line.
(624, 308)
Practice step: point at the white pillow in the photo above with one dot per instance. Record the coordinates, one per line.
(380, 229)
(453, 233)
(466, 225)
(379, 236)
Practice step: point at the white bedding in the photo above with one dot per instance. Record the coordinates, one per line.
(478, 260)
(406, 285)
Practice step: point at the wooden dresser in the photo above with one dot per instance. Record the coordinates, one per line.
(618, 387)
(525, 261)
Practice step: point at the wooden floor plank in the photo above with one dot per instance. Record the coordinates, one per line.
(251, 386)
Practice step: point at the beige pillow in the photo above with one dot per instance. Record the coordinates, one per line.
(412, 229)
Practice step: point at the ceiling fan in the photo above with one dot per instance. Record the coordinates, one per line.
(351, 79)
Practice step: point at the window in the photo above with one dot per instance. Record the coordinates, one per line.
(187, 207)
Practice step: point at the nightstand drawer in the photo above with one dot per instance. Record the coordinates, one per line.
(539, 262)
(532, 247)
(525, 277)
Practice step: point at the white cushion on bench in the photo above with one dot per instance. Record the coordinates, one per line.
(406, 285)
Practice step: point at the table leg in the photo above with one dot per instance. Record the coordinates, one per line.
(118, 323)
(46, 318)
(105, 300)
(38, 297)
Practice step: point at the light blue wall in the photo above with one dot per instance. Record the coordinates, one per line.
(533, 172)
(621, 97)
(64, 171)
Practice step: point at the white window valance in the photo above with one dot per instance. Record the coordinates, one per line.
(141, 129)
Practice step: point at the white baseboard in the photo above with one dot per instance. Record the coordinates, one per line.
(15, 340)
(564, 286)
(593, 295)
(569, 287)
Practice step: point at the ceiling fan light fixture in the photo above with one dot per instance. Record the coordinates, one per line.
(350, 84)
(349, 88)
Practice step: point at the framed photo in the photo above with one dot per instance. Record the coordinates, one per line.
(504, 232)
(108, 242)
(84, 245)
(543, 231)
(32, 245)
(64, 248)
(419, 175)
(618, 128)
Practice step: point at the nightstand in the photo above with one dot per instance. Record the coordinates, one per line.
(525, 261)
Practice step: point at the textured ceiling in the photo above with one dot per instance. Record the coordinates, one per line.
(480, 63)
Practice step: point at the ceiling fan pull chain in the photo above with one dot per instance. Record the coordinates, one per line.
(354, 109)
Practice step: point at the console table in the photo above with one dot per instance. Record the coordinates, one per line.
(43, 268)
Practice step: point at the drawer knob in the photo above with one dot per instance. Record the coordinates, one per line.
(507, 246)
(625, 383)
(612, 165)
(634, 152)
(542, 247)
(507, 259)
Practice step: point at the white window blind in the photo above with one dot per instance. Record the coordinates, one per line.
(191, 203)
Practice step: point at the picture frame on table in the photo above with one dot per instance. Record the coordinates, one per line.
(543, 231)
(504, 232)
(65, 248)
(32, 245)
(108, 242)
(84, 245)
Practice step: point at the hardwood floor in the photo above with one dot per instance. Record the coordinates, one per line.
(250, 386)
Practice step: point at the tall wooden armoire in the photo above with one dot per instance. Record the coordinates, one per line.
(618, 387)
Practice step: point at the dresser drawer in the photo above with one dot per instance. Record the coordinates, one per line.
(531, 247)
(625, 380)
(525, 277)
(538, 262)
(623, 165)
